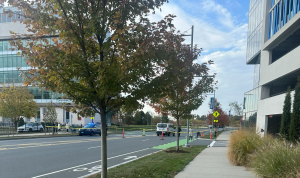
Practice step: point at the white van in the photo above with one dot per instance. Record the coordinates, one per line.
(167, 128)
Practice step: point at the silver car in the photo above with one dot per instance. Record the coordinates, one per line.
(30, 127)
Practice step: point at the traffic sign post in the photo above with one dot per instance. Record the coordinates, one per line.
(216, 114)
(92, 119)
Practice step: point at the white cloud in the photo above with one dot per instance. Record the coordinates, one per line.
(224, 41)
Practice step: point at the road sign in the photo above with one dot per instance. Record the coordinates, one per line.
(229, 113)
(92, 117)
(212, 102)
(216, 120)
(216, 114)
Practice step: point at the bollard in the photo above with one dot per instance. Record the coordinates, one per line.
(123, 133)
(144, 132)
(162, 135)
(202, 134)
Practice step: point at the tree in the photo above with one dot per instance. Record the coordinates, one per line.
(165, 119)
(184, 94)
(181, 122)
(16, 103)
(98, 50)
(234, 121)
(203, 118)
(139, 118)
(148, 118)
(128, 118)
(222, 118)
(51, 114)
(295, 120)
(156, 120)
(195, 123)
(286, 115)
(236, 108)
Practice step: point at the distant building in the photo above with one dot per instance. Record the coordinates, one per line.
(273, 48)
(9, 74)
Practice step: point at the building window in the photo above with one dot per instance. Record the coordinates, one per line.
(38, 118)
(67, 116)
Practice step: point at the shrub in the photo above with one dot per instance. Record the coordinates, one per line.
(276, 159)
(241, 144)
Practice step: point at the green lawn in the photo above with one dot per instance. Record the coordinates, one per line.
(158, 165)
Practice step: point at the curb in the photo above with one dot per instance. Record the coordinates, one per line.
(40, 136)
(31, 137)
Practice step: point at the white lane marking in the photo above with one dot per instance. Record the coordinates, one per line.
(119, 164)
(212, 144)
(89, 163)
(130, 157)
(80, 169)
(94, 147)
(145, 140)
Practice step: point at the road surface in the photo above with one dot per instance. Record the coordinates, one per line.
(77, 156)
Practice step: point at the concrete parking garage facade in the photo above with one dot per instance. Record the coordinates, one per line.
(278, 59)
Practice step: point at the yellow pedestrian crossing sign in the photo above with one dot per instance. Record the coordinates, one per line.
(92, 117)
(216, 120)
(216, 114)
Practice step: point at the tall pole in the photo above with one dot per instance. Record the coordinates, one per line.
(188, 122)
(192, 40)
(214, 111)
(187, 134)
(151, 123)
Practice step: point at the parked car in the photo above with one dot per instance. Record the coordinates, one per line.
(30, 127)
(167, 129)
(90, 129)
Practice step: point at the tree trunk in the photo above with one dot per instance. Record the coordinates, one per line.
(103, 146)
(177, 147)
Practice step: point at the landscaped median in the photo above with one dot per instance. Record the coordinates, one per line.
(266, 156)
(161, 164)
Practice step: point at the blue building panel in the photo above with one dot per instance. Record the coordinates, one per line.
(281, 13)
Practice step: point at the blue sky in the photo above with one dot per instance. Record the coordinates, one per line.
(220, 28)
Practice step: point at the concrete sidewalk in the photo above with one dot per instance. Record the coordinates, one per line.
(213, 163)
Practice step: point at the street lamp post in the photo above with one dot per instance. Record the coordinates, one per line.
(187, 133)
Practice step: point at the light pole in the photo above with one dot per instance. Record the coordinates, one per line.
(187, 135)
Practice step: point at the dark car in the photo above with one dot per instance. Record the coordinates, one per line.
(90, 129)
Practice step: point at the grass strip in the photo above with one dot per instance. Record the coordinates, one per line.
(158, 165)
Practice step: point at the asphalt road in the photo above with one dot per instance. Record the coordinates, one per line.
(76, 156)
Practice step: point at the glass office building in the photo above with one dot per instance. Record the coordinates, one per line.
(13, 66)
(255, 26)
